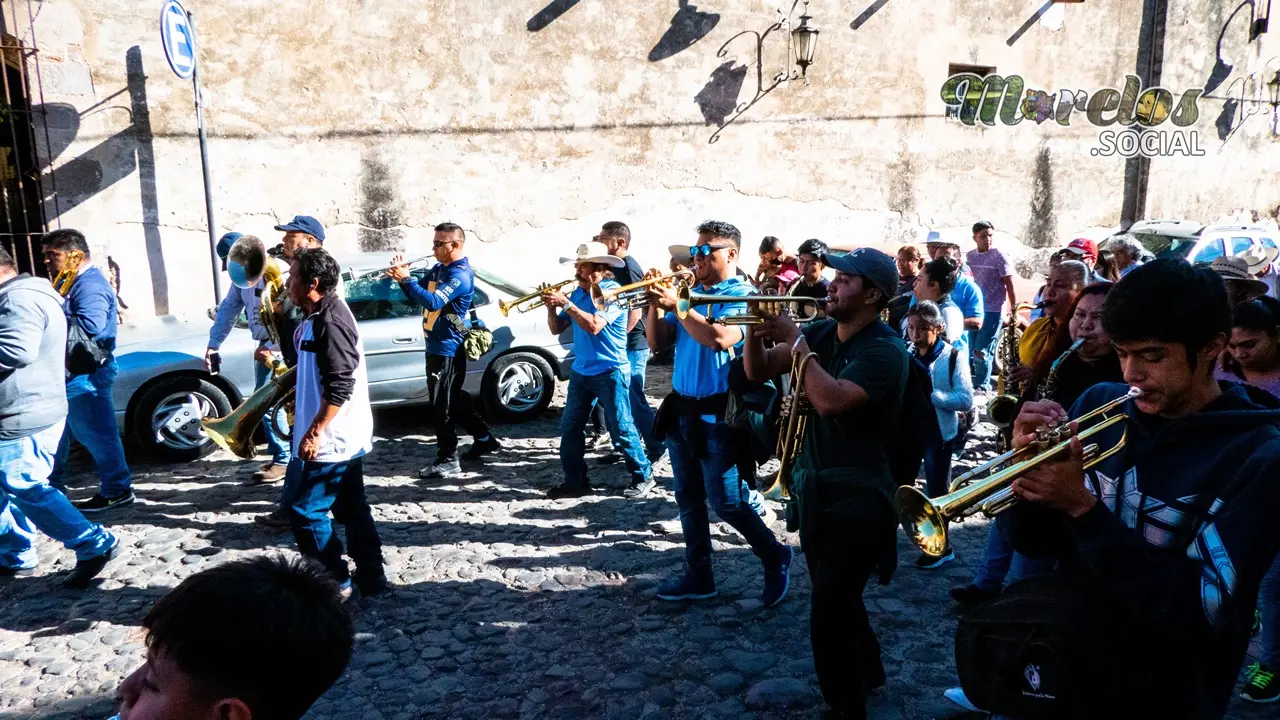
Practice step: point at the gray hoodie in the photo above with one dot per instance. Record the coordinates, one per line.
(33, 347)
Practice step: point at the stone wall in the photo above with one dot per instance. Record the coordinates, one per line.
(533, 123)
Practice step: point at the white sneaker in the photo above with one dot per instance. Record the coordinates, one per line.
(441, 469)
(957, 696)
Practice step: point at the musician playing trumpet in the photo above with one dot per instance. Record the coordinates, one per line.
(842, 479)
(1170, 537)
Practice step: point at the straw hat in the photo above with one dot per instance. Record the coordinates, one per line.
(1258, 258)
(594, 252)
(1236, 269)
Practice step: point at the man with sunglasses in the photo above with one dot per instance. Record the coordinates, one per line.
(692, 418)
(445, 295)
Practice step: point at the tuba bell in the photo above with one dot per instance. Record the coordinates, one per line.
(234, 433)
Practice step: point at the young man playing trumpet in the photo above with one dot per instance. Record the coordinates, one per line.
(842, 480)
(691, 420)
(601, 373)
(1173, 529)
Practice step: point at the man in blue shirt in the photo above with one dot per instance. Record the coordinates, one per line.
(445, 295)
(601, 373)
(91, 416)
(691, 419)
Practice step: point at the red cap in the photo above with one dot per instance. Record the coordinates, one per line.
(1084, 247)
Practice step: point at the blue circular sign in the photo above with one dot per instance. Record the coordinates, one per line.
(178, 40)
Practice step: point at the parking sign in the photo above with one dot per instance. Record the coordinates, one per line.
(178, 40)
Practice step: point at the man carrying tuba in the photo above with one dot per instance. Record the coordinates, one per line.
(255, 280)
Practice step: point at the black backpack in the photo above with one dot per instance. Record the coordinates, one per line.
(84, 355)
(916, 429)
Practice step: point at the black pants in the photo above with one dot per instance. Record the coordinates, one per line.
(450, 404)
(842, 556)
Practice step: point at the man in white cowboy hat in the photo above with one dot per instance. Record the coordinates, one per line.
(601, 373)
(1241, 285)
(1262, 265)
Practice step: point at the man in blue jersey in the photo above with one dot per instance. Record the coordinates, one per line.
(692, 419)
(601, 373)
(445, 294)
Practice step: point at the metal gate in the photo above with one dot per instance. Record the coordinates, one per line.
(22, 197)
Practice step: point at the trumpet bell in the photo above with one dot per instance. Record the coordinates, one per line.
(923, 524)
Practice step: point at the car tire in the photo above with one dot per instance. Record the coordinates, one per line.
(518, 387)
(184, 396)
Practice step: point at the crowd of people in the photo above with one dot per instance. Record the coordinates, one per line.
(1164, 541)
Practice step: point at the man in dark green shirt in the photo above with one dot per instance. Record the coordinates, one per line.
(841, 478)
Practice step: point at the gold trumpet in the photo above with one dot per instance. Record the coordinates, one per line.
(383, 271)
(525, 303)
(988, 489)
(795, 418)
(630, 297)
(687, 299)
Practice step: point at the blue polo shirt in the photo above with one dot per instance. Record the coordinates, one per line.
(605, 351)
(700, 371)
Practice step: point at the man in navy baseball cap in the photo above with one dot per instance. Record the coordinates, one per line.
(224, 246)
(871, 265)
(303, 231)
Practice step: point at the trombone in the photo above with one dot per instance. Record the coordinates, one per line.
(525, 303)
(687, 299)
(633, 296)
(988, 488)
(382, 271)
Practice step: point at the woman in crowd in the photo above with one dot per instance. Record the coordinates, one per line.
(952, 394)
(934, 283)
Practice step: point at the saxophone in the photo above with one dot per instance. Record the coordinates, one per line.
(1003, 406)
(1048, 387)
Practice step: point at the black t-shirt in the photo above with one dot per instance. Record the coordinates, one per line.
(626, 275)
(804, 289)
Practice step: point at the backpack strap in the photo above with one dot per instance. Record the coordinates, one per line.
(951, 374)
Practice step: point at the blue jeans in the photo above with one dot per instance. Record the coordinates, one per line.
(28, 503)
(276, 445)
(984, 340)
(712, 475)
(1001, 564)
(937, 468)
(610, 389)
(641, 413)
(319, 487)
(1269, 602)
(91, 420)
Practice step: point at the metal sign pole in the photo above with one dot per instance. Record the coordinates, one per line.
(214, 262)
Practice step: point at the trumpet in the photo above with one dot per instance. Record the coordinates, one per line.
(382, 271)
(525, 303)
(988, 489)
(633, 296)
(687, 299)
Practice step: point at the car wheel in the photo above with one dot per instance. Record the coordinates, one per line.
(166, 419)
(518, 387)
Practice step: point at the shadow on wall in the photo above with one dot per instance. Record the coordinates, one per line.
(1221, 68)
(107, 163)
(381, 212)
(1043, 223)
(688, 26)
(719, 98)
(550, 14)
(865, 15)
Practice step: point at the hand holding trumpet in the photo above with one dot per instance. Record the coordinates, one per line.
(552, 297)
(662, 295)
(1057, 483)
(399, 269)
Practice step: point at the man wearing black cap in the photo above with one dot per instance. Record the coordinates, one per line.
(842, 482)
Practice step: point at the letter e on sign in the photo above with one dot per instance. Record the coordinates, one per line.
(178, 40)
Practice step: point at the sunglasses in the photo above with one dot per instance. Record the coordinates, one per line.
(705, 251)
(436, 243)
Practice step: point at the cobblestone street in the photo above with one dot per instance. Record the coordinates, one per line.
(506, 605)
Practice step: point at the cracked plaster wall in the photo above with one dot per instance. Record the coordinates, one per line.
(384, 119)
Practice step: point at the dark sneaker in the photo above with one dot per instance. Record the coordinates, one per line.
(561, 492)
(777, 578)
(639, 489)
(275, 520)
(480, 448)
(87, 570)
(971, 595)
(369, 588)
(926, 562)
(98, 503)
(612, 458)
(268, 473)
(654, 457)
(442, 469)
(687, 587)
(1262, 685)
(12, 572)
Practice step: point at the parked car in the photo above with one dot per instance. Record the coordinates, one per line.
(163, 389)
(1198, 243)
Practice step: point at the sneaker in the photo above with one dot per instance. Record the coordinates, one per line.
(957, 696)
(972, 595)
(1262, 685)
(563, 491)
(441, 469)
(268, 473)
(480, 448)
(639, 489)
(612, 458)
(687, 587)
(98, 503)
(369, 588)
(87, 570)
(274, 520)
(926, 562)
(599, 442)
(777, 579)
(655, 456)
(12, 572)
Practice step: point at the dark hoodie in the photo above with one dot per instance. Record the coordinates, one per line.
(1182, 535)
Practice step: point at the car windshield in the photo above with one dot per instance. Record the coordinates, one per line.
(502, 283)
(1166, 246)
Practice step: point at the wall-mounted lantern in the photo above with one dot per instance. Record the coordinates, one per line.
(805, 40)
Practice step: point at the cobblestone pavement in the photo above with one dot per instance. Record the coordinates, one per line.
(508, 605)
